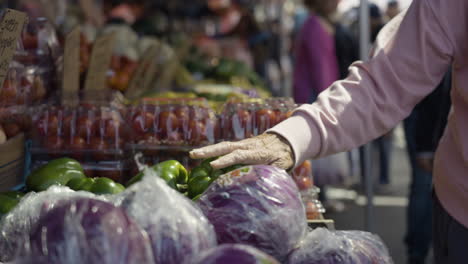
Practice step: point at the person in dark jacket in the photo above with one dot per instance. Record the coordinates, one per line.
(423, 130)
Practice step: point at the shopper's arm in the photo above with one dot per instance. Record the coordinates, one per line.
(411, 55)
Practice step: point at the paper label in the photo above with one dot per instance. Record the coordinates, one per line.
(146, 67)
(71, 68)
(100, 61)
(11, 27)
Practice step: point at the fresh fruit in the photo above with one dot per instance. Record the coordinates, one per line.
(264, 119)
(168, 123)
(142, 122)
(85, 127)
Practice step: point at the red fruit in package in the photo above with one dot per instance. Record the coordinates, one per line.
(77, 147)
(142, 122)
(85, 127)
(264, 119)
(168, 123)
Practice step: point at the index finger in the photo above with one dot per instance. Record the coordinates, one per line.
(216, 150)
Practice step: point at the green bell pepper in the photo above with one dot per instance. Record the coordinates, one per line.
(56, 172)
(8, 201)
(170, 171)
(96, 185)
(203, 175)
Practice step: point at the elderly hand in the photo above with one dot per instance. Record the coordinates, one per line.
(267, 148)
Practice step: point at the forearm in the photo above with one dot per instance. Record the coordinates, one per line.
(409, 61)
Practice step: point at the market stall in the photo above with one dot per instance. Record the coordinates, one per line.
(96, 126)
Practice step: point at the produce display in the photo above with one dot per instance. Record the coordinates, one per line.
(173, 122)
(96, 185)
(90, 227)
(256, 205)
(14, 120)
(240, 120)
(8, 201)
(93, 135)
(171, 171)
(109, 178)
(234, 253)
(31, 74)
(86, 132)
(345, 247)
(120, 71)
(16, 226)
(177, 228)
(56, 172)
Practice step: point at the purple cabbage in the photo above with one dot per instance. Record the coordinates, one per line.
(258, 206)
(178, 230)
(88, 231)
(234, 254)
(322, 246)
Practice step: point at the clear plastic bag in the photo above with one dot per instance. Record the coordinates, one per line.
(88, 231)
(16, 225)
(258, 206)
(178, 230)
(322, 246)
(234, 253)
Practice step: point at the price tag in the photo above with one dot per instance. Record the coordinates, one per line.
(145, 70)
(100, 60)
(71, 68)
(11, 27)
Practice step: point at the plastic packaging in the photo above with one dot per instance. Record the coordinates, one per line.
(258, 206)
(16, 225)
(302, 175)
(322, 246)
(88, 231)
(234, 254)
(178, 230)
(240, 120)
(14, 120)
(172, 122)
(314, 208)
(85, 133)
(16, 89)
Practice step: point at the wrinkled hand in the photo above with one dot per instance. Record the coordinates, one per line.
(267, 148)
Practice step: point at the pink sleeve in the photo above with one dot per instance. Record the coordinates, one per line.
(410, 57)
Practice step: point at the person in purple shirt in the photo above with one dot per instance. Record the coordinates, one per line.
(316, 65)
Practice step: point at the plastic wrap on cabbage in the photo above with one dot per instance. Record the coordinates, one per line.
(322, 246)
(17, 224)
(88, 231)
(234, 254)
(178, 230)
(259, 206)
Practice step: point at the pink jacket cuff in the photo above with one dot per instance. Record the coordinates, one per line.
(302, 135)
